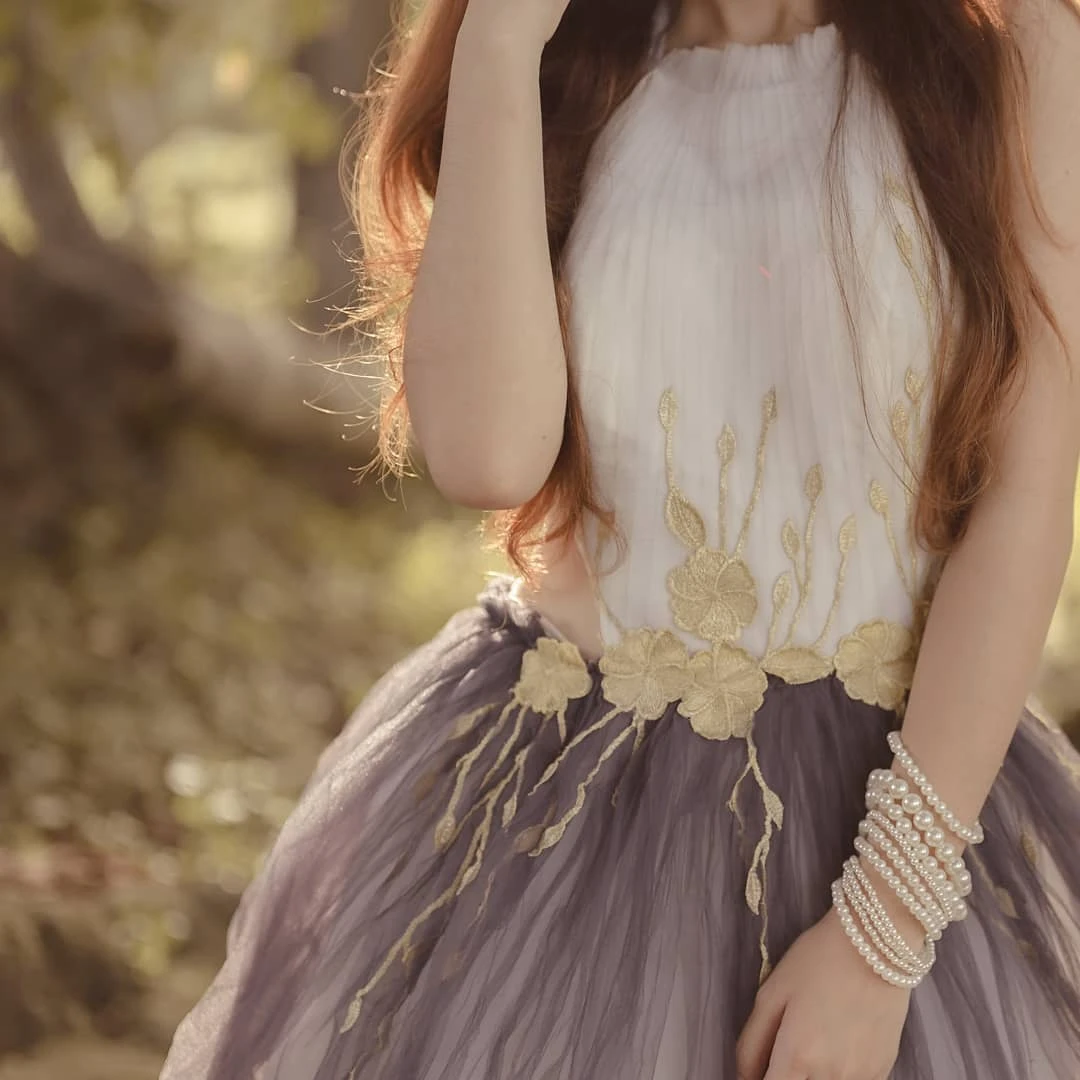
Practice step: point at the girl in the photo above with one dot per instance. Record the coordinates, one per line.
(756, 322)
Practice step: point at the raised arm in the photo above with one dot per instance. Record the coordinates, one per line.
(484, 362)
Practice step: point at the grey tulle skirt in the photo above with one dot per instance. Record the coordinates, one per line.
(490, 882)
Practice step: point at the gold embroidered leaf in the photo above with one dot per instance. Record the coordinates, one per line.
(774, 808)
(352, 1015)
(848, 535)
(669, 411)
(897, 190)
(797, 665)
(684, 521)
(754, 892)
(781, 592)
(527, 839)
(903, 242)
(900, 421)
(879, 500)
(770, 404)
(1029, 848)
(1006, 902)
(465, 723)
(425, 785)
(789, 537)
(445, 832)
(914, 383)
(815, 481)
(726, 446)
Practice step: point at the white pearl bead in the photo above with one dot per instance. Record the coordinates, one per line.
(898, 786)
(935, 837)
(921, 851)
(946, 851)
(911, 803)
(923, 820)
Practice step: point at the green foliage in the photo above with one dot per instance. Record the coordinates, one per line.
(132, 83)
(189, 61)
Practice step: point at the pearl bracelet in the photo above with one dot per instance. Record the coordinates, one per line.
(882, 794)
(970, 835)
(932, 924)
(864, 948)
(905, 839)
(860, 907)
(890, 942)
(925, 866)
(907, 872)
(928, 954)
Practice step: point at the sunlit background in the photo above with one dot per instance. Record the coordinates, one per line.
(196, 592)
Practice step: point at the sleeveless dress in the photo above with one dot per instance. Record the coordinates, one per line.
(519, 863)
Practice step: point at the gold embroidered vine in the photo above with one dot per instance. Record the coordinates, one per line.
(714, 596)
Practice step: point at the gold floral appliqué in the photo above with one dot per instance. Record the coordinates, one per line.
(718, 690)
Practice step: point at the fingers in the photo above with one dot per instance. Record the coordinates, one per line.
(754, 1048)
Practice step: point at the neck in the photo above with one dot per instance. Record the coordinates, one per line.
(751, 22)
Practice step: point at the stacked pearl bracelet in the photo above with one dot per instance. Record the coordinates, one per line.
(970, 835)
(882, 931)
(905, 839)
(866, 950)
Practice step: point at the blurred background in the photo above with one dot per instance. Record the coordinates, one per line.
(194, 590)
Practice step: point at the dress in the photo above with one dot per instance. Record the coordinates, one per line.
(519, 863)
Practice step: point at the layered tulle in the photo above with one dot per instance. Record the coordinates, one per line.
(476, 889)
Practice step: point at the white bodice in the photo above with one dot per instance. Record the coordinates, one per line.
(715, 362)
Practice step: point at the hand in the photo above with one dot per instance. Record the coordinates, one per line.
(823, 1014)
(528, 23)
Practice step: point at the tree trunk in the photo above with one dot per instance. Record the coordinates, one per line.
(87, 372)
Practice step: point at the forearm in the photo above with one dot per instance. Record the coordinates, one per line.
(982, 644)
(485, 367)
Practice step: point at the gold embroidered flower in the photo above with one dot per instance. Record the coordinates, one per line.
(645, 672)
(553, 673)
(727, 687)
(712, 595)
(876, 662)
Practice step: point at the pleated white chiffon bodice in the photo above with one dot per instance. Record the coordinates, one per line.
(716, 366)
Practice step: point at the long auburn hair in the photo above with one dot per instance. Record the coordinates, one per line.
(952, 74)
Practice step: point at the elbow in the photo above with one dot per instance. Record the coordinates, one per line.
(487, 482)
